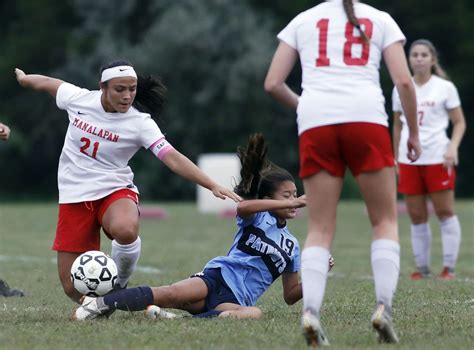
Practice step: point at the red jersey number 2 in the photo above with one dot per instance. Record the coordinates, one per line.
(324, 60)
(85, 147)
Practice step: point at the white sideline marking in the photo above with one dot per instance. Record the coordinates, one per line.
(36, 259)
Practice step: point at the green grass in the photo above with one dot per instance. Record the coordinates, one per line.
(428, 314)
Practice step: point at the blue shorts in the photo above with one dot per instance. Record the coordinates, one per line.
(218, 291)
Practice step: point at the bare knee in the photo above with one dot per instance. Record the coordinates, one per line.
(444, 213)
(418, 215)
(124, 232)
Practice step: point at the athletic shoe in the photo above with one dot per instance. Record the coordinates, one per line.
(416, 276)
(447, 274)
(90, 309)
(312, 330)
(382, 323)
(6, 291)
(156, 313)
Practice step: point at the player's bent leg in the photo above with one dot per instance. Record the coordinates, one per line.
(65, 261)
(120, 221)
(188, 295)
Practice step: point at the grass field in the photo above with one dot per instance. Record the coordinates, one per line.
(429, 314)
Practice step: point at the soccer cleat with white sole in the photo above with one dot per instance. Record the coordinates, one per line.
(312, 330)
(90, 309)
(382, 323)
(156, 313)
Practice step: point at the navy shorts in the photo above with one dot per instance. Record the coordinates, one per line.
(218, 291)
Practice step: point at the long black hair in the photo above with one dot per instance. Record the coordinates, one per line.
(259, 177)
(151, 94)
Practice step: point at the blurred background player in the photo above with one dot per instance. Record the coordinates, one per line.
(263, 249)
(5, 290)
(433, 174)
(106, 128)
(342, 123)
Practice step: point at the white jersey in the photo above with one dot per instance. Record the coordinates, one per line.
(434, 99)
(340, 71)
(98, 145)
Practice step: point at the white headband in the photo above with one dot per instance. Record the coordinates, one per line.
(115, 72)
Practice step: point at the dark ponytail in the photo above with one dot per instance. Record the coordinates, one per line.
(259, 177)
(349, 10)
(151, 92)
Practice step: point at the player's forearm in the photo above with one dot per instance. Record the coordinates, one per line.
(294, 295)
(284, 95)
(406, 92)
(38, 82)
(459, 128)
(185, 168)
(253, 206)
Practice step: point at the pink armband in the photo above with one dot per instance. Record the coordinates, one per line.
(160, 148)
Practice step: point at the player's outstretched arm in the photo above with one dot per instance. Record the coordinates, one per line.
(38, 82)
(250, 207)
(184, 167)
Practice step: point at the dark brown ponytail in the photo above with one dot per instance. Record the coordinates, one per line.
(349, 10)
(259, 177)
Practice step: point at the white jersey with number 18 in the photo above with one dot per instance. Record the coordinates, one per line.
(340, 70)
(98, 145)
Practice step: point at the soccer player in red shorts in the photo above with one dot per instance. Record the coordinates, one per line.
(342, 123)
(96, 190)
(433, 175)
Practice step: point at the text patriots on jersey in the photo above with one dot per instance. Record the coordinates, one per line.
(91, 129)
(255, 242)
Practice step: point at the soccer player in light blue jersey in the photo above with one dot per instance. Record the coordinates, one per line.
(263, 249)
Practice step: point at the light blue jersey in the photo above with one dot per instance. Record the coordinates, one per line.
(262, 250)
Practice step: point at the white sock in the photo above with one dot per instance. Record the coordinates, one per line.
(314, 272)
(385, 258)
(451, 239)
(126, 257)
(421, 244)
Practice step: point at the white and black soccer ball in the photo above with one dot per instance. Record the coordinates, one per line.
(93, 273)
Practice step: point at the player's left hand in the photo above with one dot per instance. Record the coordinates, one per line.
(223, 193)
(451, 157)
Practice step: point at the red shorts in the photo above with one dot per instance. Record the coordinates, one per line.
(423, 179)
(79, 224)
(362, 147)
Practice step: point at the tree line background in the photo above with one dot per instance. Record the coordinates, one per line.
(212, 55)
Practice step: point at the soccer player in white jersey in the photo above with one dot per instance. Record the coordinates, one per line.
(433, 174)
(106, 128)
(263, 249)
(342, 123)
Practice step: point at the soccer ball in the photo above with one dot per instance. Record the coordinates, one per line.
(93, 273)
